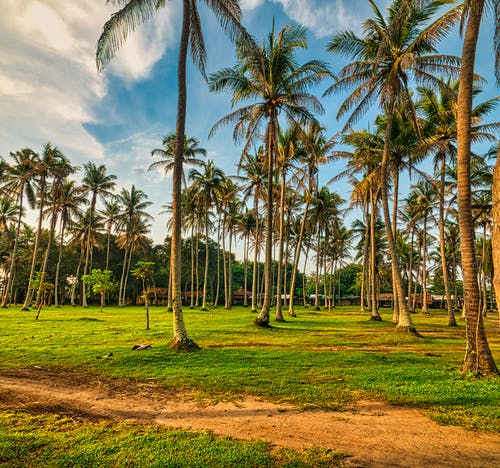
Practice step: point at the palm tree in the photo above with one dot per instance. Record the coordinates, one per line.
(207, 185)
(478, 357)
(130, 221)
(71, 199)
(391, 53)
(110, 213)
(51, 163)
(252, 166)
(97, 184)
(115, 32)
(19, 182)
(271, 75)
(191, 154)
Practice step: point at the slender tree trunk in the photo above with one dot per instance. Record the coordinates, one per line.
(263, 318)
(495, 230)
(122, 278)
(216, 301)
(316, 280)
(279, 311)
(405, 323)
(207, 260)
(255, 254)
(373, 258)
(29, 292)
(296, 258)
(12, 264)
(444, 266)
(245, 270)
(425, 310)
(478, 357)
(410, 267)
(191, 302)
(180, 336)
(230, 272)
(304, 293)
(53, 222)
(58, 266)
(197, 272)
(395, 172)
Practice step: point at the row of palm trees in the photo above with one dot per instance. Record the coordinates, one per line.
(42, 182)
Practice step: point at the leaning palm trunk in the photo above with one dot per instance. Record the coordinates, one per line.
(122, 278)
(12, 264)
(180, 338)
(39, 294)
(444, 267)
(405, 322)
(296, 258)
(478, 357)
(373, 259)
(424, 269)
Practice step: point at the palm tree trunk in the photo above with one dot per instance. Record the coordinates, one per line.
(424, 269)
(263, 318)
(58, 266)
(279, 311)
(207, 260)
(245, 270)
(191, 302)
(43, 270)
(180, 338)
(478, 357)
(316, 280)
(216, 300)
(395, 175)
(224, 261)
(405, 323)
(255, 254)
(122, 278)
(29, 292)
(304, 292)
(373, 259)
(495, 230)
(12, 264)
(230, 272)
(444, 266)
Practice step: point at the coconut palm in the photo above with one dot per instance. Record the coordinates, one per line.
(98, 184)
(478, 357)
(391, 52)
(131, 220)
(270, 75)
(191, 154)
(69, 202)
(19, 178)
(111, 214)
(207, 184)
(116, 30)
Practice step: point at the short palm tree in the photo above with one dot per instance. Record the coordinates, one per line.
(270, 75)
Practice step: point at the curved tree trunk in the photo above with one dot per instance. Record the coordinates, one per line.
(478, 357)
(180, 338)
(395, 315)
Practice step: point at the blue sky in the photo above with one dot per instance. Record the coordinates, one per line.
(50, 90)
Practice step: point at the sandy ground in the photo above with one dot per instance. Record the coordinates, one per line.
(373, 433)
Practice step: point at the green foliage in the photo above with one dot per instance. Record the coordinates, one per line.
(101, 281)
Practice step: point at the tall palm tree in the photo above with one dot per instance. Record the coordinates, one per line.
(97, 184)
(70, 200)
(478, 357)
(270, 75)
(19, 179)
(207, 185)
(116, 30)
(131, 220)
(111, 214)
(191, 154)
(51, 163)
(393, 51)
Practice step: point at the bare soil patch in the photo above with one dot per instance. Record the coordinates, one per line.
(375, 434)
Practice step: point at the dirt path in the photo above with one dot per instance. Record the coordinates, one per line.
(374, 433)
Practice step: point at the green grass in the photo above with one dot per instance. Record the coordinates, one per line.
(317, 360)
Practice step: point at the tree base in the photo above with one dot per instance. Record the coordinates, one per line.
(317, 308)
(453, 323)
(261, 322)
(254, 311)
(280, 319)
(292, 314)
(25, 309)
(408, 330)
(376, 318)
(184, 345)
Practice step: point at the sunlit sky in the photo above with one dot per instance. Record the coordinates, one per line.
(50, 89)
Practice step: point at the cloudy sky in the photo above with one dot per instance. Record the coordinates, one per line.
(50, 89)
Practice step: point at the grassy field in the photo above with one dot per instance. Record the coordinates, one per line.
(317, 360)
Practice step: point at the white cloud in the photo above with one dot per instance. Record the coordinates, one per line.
(251, 4)
(322, 18)
(48, 79)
